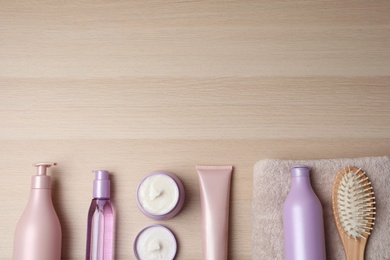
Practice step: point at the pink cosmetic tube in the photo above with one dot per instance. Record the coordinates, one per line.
(214, 183)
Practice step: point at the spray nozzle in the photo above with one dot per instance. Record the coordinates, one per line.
(41, 167)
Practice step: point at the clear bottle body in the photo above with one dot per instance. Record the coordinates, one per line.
(100, 230)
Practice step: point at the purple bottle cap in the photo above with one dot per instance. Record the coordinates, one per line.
(101, 184)
(300, 171)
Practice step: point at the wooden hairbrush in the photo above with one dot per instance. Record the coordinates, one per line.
(353, 204)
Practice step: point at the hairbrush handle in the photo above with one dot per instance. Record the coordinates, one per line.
(354, 249)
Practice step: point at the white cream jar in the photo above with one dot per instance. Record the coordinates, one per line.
(155, 242)
(160, 195)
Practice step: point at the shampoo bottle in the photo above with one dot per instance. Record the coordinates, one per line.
(303, 224)
(38, 232)
(100, 226)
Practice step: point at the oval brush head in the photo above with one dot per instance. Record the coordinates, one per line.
(353, 209)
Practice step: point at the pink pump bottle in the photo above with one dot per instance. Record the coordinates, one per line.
(303, 224)
(38, 233)
(100, 229)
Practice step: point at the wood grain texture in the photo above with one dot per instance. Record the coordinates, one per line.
(191, 38)
(135, 86)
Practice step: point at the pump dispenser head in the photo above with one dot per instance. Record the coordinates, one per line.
(41, 180)
(41, 167)
(101, 184)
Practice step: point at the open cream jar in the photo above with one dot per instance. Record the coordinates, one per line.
(160, 195)
(155, 242)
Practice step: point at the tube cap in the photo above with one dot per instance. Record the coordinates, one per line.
(101, 184)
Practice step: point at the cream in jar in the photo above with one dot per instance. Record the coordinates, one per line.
(160, 195)
(155, 242)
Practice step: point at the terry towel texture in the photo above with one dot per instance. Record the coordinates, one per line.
(271, 180)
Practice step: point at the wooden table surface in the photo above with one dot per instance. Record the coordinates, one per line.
(137, 86)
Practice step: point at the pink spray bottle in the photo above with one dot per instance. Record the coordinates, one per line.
(38, 233)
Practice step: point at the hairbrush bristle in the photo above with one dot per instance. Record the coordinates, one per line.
(354, 202)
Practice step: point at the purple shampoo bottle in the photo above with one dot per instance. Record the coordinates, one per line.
(303, 224)
(100, 229)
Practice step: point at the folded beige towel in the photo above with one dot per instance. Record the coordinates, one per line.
(271, 180)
